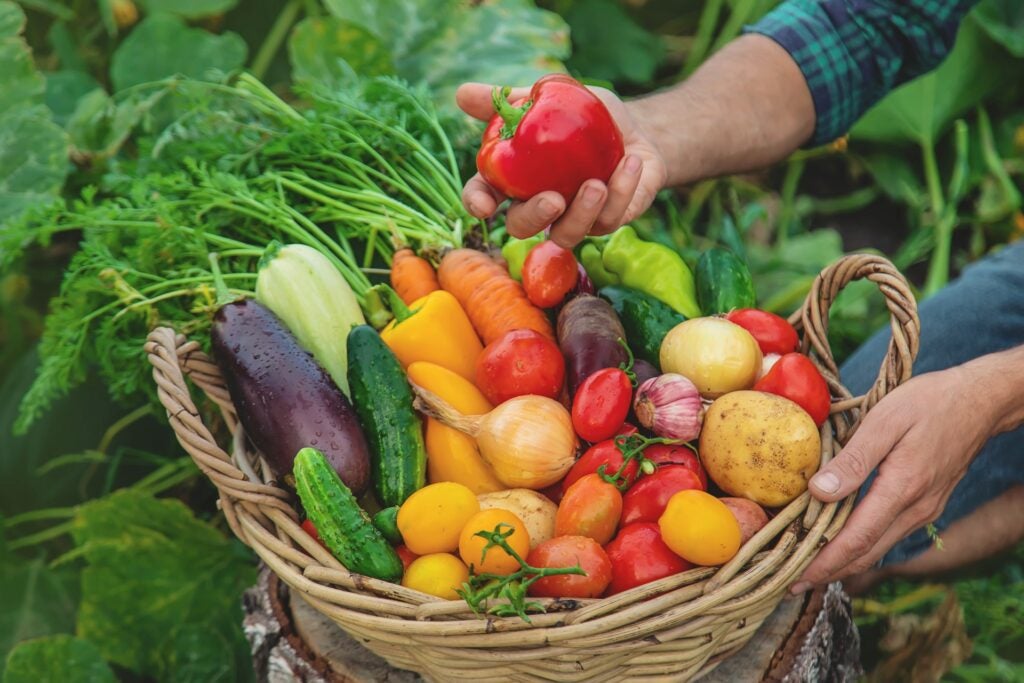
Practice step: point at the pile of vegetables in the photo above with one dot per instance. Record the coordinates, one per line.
(500, 438)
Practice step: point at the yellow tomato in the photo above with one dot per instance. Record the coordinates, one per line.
(700, 528)
(430, 519)
(496, 560)
(436, 574)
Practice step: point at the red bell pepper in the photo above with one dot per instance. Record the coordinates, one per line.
(771, 332)
(647, 499)
(555, 139)
(794, 377)
(639, 556)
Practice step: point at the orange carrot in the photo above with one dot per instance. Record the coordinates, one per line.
(412, 276)
(494, 302)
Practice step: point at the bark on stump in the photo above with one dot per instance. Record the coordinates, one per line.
(808, 638)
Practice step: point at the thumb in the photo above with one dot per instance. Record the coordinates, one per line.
(475, 99)
(847, 471)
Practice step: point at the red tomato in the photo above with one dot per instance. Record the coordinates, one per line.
(639, 556)
(308, 527)
(549, 273)
(647, 499)
(601, 404)
(521, 362)
(604, 453)
(591, 507)
(405, 555)
(569, 551)
(772, 333)
(794, 377)
(670, 454)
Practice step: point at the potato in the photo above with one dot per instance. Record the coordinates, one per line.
(760, 446)
(535, 509)
(749, 514)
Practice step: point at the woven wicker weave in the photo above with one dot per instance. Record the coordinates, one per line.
(672, 629)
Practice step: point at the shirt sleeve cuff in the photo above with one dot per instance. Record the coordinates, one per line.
(808, 33)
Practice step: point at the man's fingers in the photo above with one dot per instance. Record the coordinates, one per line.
(475, 99)
(479, 198)
(875, 438)
(526, 219)
(579, 218)
(621, 188)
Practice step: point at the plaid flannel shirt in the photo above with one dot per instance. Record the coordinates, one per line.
(852, 52)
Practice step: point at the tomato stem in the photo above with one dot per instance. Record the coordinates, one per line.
(632, 447)
(509, 113)
(627, 367)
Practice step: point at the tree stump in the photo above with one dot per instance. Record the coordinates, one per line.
(807, 638)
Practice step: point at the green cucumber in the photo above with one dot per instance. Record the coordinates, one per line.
(343, 526)
(383, 402)
(386, 522)
(723, 282)
(645, 319)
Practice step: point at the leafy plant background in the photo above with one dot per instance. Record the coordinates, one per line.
(111, 541)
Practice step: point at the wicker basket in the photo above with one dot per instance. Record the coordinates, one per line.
(676, 628)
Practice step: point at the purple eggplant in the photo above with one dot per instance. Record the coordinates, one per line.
(589, 334)
(644, 371)
(284, 399)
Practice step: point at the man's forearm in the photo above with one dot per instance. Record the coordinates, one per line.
(745, 108)
(997, 380)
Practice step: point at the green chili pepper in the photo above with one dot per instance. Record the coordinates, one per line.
(651, 268)
(590, 257)
(515, 250)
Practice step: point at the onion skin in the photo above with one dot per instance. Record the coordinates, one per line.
(716, 355)
(528, 441)
(670, 406)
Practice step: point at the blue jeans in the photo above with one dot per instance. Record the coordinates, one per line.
(981, 312)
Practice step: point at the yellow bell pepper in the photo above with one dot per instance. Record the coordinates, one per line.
(453, 455)
(434, 328)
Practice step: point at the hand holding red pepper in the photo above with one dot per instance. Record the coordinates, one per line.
(598, 207)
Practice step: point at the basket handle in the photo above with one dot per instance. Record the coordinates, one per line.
(812, 320)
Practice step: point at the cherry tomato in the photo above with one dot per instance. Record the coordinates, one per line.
(639, 556)
(794, 377)
(308, 527)
(591, 507)
(601, 404)
(405, 555)
(520, 362)
(549, 273)
(569, 551)
(440, 574)
(647, 499)
(671, 454)
(604, 453)
(772, 333)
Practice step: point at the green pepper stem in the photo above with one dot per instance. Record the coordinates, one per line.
(224, 296)
(394, 302)
(509, 113)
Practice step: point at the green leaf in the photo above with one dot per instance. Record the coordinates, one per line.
(155, 574)
(609, 45)
(920, 110)
(63, 91)
(332, 51)
(33, 159)
(190, 9)
(163, 45)
(1003, 21)
(35, 601)
(99, 125)
(61, 658)
(12, 19)
(20, 84)
(897, 176)
(445, 42)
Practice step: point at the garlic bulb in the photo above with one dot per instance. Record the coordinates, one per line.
(670, 406)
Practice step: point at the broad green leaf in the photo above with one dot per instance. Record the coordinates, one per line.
(445, 43)
(332, 51)
(99, 125)
(20, 84)
(1003, 20)
(60, 658)
(33, 159)
(153, 574)
(897, 176)
(920, 110)
(63, 91)
(609, 45)
(190, 9)
(34, 601)
(163, 45)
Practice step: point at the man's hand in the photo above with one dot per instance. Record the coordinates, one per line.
(597, 209)
(921, 437)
